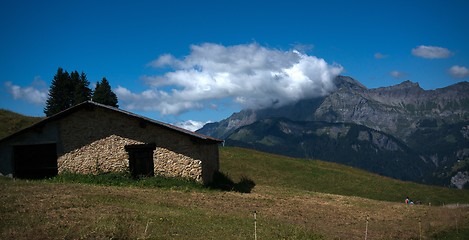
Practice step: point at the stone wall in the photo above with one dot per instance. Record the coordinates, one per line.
(171, 164)
(93, 141)
(102, 156)
(109, 155)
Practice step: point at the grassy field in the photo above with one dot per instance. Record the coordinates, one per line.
(12, 122)
(319, 176)
(294, 199)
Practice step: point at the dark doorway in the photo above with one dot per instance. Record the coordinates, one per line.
(141, 159)
(35, 161)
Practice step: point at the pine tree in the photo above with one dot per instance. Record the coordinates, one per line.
(82, 92)
(59, 93)
(66, 91)
(104, 95)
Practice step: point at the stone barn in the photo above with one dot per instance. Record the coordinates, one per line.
(92, 138)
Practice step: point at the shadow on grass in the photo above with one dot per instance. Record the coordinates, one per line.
(126, 180)
(220, 182)
(223, 182)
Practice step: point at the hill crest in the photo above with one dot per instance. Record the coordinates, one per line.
(13, 122)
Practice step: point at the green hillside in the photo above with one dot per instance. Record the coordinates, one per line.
(319, 176)
(12, 122)
(345, 143)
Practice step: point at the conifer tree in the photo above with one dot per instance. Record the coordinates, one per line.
(59, 93)
(66, 91)
(104, 95)
(82, 92)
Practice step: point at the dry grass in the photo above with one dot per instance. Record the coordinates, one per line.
(293, 198)
(38, 210)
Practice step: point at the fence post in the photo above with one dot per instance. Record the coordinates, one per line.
(366, 228)
(457, 216)
(255, 225)
(420, 229)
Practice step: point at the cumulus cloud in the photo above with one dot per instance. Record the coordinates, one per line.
(36, 93)
(397, 74)
(458, 71)
(431, 52)
(191, 125)
(250, 75)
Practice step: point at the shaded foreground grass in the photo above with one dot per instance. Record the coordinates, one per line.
(45, 210)
(220, 182)
(294, 199)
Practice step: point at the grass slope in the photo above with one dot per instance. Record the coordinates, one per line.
(12, 122)
(292, 198)
(318, 176)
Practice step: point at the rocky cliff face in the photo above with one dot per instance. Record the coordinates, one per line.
(397, 110)
(408, 113)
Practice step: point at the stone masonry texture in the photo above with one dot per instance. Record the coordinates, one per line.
(93, 142)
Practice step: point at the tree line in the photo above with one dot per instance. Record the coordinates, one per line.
(70, 89)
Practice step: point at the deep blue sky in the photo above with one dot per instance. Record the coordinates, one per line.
(375, 42)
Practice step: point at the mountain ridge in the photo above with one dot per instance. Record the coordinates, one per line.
(349, 101)
(404, 111)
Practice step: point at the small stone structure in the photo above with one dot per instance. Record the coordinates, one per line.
(91, 138)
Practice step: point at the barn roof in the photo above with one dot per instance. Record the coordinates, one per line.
(88, 104)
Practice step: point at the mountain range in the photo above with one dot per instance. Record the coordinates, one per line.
(401, 131)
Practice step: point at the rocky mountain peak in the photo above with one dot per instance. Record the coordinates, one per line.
(404, 87)
(402, 124)
(407, 84)
(395, 109)
(344, 82)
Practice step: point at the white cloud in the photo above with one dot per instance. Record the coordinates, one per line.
(397, 74)
(458, 71)
(191, 125)
(36, 93)
(431, 52)
(251, 75)
(380, 55)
